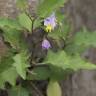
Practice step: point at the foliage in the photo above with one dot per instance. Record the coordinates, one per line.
(12, 36)
(18, 91)
(25, 21)
(81, 41)
(65, 61)
(54, 89)
(7, 71)
(5, 77)
(46, 7)
(29, 61)
(85, 38)
(10, 23)
(21, 64)
(38, 74)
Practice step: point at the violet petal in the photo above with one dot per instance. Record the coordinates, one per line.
(46, 44)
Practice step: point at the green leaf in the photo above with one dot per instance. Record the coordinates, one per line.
(21, 64)
(12, 36)
(85, 38)
(22, 4)
(61, 31)
(73, 49)
(5, 77)
(18, 91)
(46, 7)
(25, 21)
(56, 34)
(80, 42)
(11, 72)
(37, 23)
(39, 73)
(7, 71)
(10, 23)
(5, 63)
(54, 89)
(15, 38)
(64, 61)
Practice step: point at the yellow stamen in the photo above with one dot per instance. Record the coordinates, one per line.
(48, 28)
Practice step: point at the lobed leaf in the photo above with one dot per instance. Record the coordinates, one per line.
(7, 71)
(25, 21)
(64, 61)
(21, 64)
(85, 38)
(9, 23)
(80, 42)
(12, 36)
(10, 75)
(46, 7)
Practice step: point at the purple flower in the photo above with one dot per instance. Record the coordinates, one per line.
(50, 22)
(46, 44)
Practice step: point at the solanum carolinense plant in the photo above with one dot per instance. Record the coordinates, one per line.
(39, 49)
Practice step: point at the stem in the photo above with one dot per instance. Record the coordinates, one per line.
(40, 65)
(33, 24)
(31, 72)
(37, 90)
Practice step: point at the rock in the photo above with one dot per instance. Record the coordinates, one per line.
(8, 7)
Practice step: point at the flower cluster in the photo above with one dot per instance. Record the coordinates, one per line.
(50, 23)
